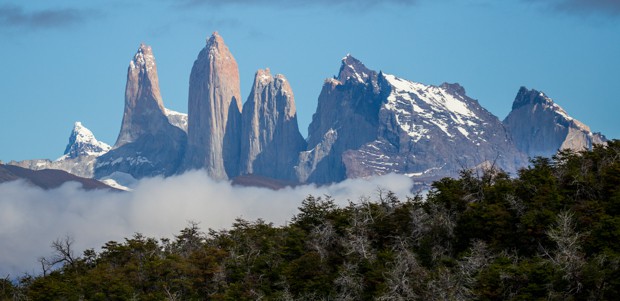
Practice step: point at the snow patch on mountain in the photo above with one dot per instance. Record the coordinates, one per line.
(82, 142)
(418, 107)
(177, 119)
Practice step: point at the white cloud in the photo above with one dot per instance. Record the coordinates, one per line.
(31, 218)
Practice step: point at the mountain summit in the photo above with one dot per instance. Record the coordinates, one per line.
(82, 142)
(540, 127)
(352, 68)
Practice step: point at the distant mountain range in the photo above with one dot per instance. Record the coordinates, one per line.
(367, 123)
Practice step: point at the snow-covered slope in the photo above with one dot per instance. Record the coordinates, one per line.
(177, 119)
(372, 124)
(418, 108)
(82, 142)
(428, 132)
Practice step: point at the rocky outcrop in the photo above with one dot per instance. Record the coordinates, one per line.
(214, 112)
(270, 137)
(540, 127)
(148, 144)
(347, 117)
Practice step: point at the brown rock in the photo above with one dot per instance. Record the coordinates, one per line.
(214, 111)
(144, 109)
(270, 139)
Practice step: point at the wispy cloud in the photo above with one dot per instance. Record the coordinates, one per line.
(31, 218)
(582, 7)
(355, 4)
(13, 16)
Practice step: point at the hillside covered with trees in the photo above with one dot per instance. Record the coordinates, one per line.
(551, 232)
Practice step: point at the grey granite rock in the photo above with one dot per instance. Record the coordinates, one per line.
(270, 138)
(540, 127)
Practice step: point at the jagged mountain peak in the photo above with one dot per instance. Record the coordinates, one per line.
(216, 47)
(454, 87)
(352, 68)
(143, 58)
(279, 84)
(263, 76)
(527, 96)
(270, 138)
(540, 127)
(214, 38)
(82, 142)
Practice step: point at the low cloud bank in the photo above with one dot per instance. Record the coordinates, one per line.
(31, 218)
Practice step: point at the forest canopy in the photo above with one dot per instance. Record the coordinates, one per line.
(550, 232)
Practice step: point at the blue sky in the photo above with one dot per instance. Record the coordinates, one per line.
(66, 61)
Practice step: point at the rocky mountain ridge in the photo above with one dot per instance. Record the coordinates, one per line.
(367, 123)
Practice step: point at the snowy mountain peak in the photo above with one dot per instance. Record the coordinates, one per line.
(82, 142)
(421, 110)
(352, 68)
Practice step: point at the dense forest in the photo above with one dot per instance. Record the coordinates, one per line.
(551, 232)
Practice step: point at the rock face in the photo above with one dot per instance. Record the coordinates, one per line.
(540, 127)
(148, 144)
(270, 137)
(372, 124)
(214, 112)
(347, 117)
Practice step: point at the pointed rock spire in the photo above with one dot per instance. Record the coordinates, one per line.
(271, 140)
(144, 109)
(148, 144)
(214, 111)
